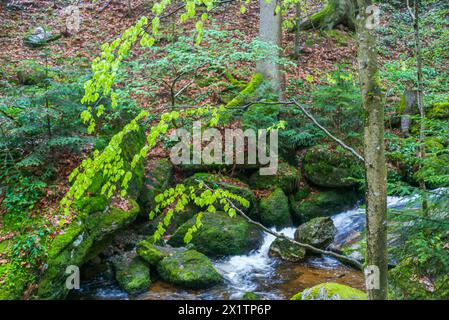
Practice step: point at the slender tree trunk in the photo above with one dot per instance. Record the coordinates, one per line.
(420, 94)
(374, 148)
(270, 31)
(297, 50)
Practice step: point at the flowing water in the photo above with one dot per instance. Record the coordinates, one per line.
(268, 277)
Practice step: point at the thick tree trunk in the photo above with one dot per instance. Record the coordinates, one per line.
(375, 165)
(270, 31)
(334, 13)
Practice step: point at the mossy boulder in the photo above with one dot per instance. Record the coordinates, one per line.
(157, 178)
(80, 242)
(274, 209)
(329, 167)
(331, 291)
(132, 273)
(318, 232)
(408, 281)
(29, 72)
(39, 37)
(230, 184)
(287, 178)
(323, 203)
(189, 269)
(286, 250)
(220, 235)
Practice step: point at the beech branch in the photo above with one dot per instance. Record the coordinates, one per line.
(315, 122)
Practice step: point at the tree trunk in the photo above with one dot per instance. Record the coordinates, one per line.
(375, 165)
(270, 30)
(334, 13)
(297, 49)
(419, 93)
(410, 107)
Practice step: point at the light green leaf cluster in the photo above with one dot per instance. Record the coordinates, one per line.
(110, 164)
(176, 199)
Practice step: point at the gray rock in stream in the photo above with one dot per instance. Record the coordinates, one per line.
(318, 232)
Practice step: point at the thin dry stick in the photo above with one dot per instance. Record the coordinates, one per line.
(315, 122)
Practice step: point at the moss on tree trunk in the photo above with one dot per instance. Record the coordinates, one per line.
(334, 13)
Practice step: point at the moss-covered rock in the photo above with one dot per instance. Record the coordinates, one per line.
(39, 37)
(407, 281)
(325, 203)
(189, 269)
(318, 232)
(132, 273)
(153, 254)
(274, 209)
(230, 184)
(157, 179)
(76, 244)
(331, 168)
(220, 235)
(287, 178)
(287, 250)
(330, 291)
(29, 72)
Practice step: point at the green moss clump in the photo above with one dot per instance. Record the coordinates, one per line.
(274, 209)
(220, 235)
(329, 168)
(330, 291)
(189, 269)
(13, 281)
(287, 178)
(250, 296)
(246, 95)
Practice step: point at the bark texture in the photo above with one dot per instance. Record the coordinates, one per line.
(334, 13)
(270, 30)
(410, 106)
(374, 148)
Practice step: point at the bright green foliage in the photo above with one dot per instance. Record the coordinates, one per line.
(176, 199)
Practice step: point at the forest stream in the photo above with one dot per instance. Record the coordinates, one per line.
(268, 277)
